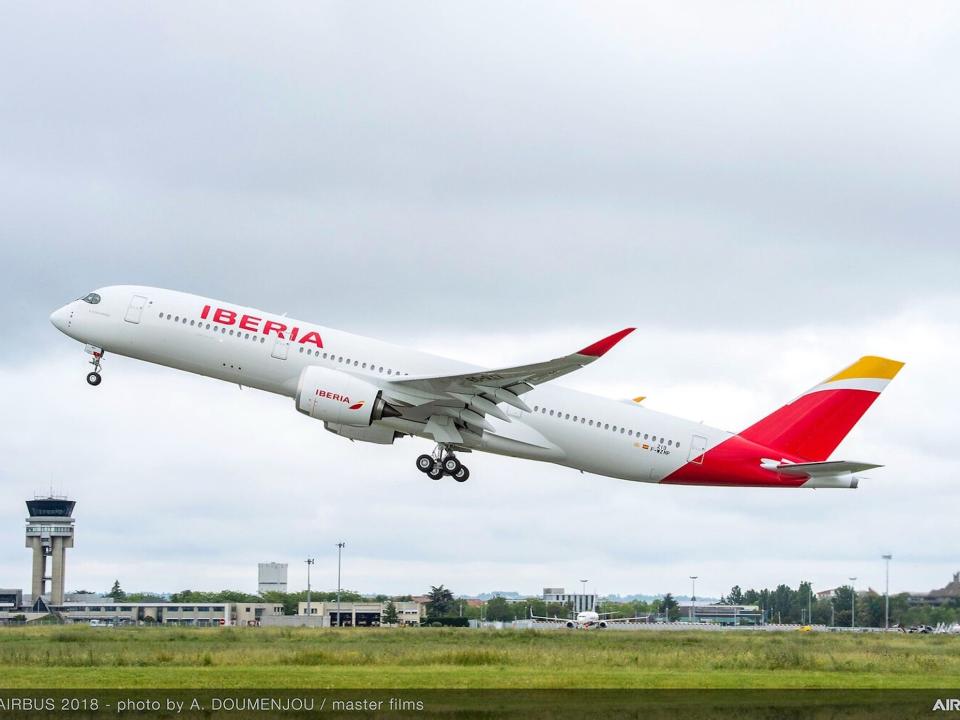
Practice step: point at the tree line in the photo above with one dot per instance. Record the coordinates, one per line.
(782, 604)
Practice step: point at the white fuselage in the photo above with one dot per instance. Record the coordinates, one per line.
(586, 618)
(566, 427)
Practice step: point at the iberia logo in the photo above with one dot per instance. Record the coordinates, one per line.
(337, 397)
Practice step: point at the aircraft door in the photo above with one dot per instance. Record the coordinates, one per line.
(135, 310)
(280, 348)
(698, 446)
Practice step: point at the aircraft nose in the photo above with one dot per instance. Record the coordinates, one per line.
(59, 318)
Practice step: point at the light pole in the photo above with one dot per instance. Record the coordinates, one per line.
(309, 562)
(693, 599)
(886, 595)
(583, 592)
(340, 546)
(853, 597)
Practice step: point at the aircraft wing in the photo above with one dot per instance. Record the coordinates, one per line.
(540, 618)
(446, 401)
(643, 618)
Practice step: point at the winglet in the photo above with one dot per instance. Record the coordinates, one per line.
(600, 347)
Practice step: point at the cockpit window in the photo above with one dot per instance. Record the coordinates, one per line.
(92, 298)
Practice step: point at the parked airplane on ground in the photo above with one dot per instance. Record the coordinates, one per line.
(368, 390)
(586, 619)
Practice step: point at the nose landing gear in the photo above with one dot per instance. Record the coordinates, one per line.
(93, 378)
(442, 462)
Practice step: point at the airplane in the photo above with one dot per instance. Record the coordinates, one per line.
(586, 619)
(370, 391)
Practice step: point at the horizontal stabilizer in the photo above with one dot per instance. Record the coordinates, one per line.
(830, 467)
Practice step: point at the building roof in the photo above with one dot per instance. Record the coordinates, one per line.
(951, 590)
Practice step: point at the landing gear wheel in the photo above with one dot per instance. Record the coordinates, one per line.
(424, 463)
(462, 475)
(451, 466)
(435, 472)
(94, 378)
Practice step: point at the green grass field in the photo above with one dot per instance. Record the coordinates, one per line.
(85, 657)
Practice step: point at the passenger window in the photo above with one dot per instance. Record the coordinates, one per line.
(551, 413)
(591, 423)
(614, 428)
(606, 426)
(630, 433)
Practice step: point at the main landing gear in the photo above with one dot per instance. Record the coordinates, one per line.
(94, 378)
(442, 462)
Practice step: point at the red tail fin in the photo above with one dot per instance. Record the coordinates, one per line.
(814, 424)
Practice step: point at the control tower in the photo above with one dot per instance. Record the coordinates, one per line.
(49, 533)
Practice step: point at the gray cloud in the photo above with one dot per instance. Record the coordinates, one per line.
(764, 191)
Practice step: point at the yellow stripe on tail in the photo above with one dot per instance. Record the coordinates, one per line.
(869, 366)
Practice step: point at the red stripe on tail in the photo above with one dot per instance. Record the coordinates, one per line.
(812, 425)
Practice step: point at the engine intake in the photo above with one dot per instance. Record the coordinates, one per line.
(335, 397)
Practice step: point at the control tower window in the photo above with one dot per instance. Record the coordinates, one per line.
(92, 298)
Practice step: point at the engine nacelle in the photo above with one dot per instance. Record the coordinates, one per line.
(571, 625)
(602, 625)
(335, 397)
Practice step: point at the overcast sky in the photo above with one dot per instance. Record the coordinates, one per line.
(767, 191)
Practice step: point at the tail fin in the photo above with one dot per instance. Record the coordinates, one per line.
(814, 424)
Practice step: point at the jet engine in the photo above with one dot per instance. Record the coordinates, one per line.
(601, 625)
(571, 625)
(335, 397)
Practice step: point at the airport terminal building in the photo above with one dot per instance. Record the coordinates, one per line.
(108, 612)
(360, 614)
